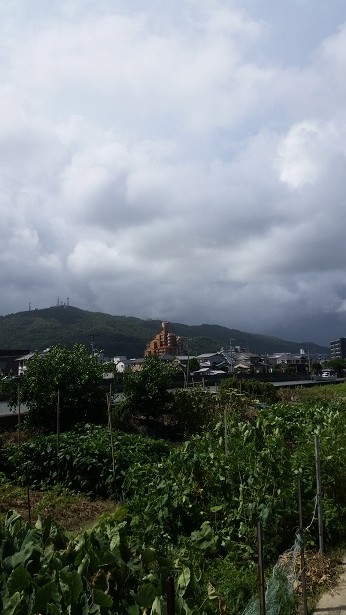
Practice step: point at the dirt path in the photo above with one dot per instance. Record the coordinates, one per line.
(334, 602)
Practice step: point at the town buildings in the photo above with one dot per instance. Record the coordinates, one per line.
(234, 360)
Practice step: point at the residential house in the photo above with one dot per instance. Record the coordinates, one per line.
(211, 359)
(286, 360)
(9, 358)
(23, 361)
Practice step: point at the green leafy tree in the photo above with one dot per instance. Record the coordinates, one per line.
(337, 364)
(193, 364)
(77, 377)
(8, 390)
(146, 391)
(193, 410)
(316, 367)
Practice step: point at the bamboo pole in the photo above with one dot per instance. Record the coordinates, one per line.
(19, 416)
(58, 423)
(109, 398)
(319, 495)
(225, 428)
(302, 553)
(262, 600)
(170, 596)
(29, 502)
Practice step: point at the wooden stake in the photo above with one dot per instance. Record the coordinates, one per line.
(57, 423)
(109, 398)
(262, 599)
(302, 554)
(29, 503)
(19, 422)
(170, 596)
(225, 429)
(319, 495)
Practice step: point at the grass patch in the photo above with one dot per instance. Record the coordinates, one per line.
(72, 511)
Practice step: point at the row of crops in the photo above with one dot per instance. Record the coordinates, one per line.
(187, 511)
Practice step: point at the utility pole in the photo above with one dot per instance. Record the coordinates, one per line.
(92, 343)
(309, 359)
(231, 339)
(188, 363)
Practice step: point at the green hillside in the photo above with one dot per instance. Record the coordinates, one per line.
(125, 335)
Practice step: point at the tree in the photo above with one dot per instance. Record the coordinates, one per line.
(77, 377)
(193, 365)
(146, 391)
(8, 389)
(316, 367)
(192, 410)
(337, 364)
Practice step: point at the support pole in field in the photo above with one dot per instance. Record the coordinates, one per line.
(319, 495)
(225, 429)
(19, 417)
(302, 554)
(29, 502)
(262, 598)
(170, 596)
(109, 399)
(57, 423)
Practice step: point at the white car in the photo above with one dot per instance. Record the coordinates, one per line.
(329, 375)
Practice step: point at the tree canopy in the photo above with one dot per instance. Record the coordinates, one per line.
(146, 391)
(337, 364)
(76, 376)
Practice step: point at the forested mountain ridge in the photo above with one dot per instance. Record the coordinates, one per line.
(126, 335)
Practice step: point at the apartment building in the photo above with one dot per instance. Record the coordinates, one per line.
(338, 348)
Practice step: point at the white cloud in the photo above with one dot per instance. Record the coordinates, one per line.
(165, 158)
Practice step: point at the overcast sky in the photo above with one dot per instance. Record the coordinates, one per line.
(177, 159)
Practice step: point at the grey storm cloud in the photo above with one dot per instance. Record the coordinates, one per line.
(183, 160)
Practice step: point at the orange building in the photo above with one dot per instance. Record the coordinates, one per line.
(165, 343)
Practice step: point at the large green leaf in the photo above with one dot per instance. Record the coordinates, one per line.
(72, 582)
(18, 580)
(11, 518)
(25, 554)
(33, 536)
(12, 606)
(102, 599)
(149, 555)
(83, 566)
(157, 607)
(146, 595)
(48, 594)
(184, 580)
(53, 609)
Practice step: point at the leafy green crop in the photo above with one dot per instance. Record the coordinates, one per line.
(84, 460)
(257, 479)
(192, 511)
(97, 573)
